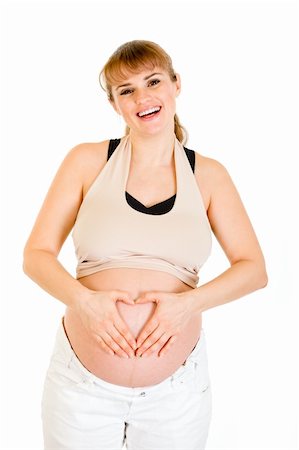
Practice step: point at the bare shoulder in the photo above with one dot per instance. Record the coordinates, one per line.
(209, 173)
(226, 212)
(88, 159)
(59, 210)
(89, 154)
(209, 168)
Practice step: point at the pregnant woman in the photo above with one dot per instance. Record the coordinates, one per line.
(129, 364)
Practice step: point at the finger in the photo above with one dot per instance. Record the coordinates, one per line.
(167, 346)
(141, 300)
(151, 340)
(148, 297)
(121, 341)
(104, 346)
(155, 347)
(150, 327)
(125, 332)
(123, 296)
(111, 343)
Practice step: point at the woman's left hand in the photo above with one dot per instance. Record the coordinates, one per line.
(171, 315)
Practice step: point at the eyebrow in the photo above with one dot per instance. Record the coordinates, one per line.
(145, 78)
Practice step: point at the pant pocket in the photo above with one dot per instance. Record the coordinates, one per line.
(202, 381)
(183, 376)
(62, 370)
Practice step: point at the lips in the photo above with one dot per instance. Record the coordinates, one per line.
(148, 109)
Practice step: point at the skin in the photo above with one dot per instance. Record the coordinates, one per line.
(119, 312)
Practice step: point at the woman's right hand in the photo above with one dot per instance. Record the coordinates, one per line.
(103, 322)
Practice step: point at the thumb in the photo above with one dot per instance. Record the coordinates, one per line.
(123, 296)
(146, 298)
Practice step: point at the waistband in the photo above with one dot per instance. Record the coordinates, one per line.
(196, 356)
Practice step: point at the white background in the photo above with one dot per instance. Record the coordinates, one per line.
(239, 67)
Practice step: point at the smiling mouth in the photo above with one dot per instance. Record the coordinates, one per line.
(151, 113)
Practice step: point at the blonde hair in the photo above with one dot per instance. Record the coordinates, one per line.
(132, 56)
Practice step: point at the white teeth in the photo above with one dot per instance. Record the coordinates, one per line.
(148, 111)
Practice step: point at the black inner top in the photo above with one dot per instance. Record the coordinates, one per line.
(161, 207)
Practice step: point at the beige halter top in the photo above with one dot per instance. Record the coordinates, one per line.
(109, 233)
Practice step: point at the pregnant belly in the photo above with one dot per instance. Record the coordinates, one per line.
(133, 372)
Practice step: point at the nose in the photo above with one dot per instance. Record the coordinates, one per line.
(141, 96)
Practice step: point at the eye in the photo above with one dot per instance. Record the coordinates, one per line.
(154, 81)
(124, 92)
(151, 82)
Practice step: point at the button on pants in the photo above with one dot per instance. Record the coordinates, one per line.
(83, 412)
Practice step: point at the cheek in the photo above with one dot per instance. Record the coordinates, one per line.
(124, 108)
(121, 110)
(171, 103)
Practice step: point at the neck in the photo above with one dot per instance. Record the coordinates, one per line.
(152, 150)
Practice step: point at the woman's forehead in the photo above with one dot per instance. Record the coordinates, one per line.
(125, 73)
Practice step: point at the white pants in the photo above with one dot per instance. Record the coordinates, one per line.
(81, 411)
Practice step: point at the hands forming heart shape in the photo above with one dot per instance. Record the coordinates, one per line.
(103, 322)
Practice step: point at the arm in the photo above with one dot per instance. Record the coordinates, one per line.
(235, 234)
(55, 220)
(52, 226)
(247, 273)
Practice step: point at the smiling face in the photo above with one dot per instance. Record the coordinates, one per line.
(151, 92)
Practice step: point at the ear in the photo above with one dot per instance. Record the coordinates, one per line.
(178, 84)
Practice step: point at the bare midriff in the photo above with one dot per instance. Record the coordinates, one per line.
(132, 372)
